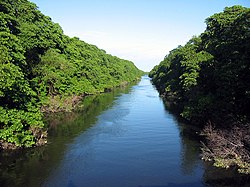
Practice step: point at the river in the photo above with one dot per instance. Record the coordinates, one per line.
(125, 138)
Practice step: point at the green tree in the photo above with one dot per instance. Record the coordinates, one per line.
(43, 69)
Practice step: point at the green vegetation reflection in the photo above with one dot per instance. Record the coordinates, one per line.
(63, 128)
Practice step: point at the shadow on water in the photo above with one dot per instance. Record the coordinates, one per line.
(30, 167)
(212, 175)
(191, 151)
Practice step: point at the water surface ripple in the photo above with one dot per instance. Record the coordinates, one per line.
(136, 142)
(125, 138)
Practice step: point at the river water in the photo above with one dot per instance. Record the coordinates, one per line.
(125, 138)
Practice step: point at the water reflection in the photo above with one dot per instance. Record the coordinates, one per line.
(190, 148)
(125, 138)
(190, 151)
(31, 167)
(190, 142)
(219, 177)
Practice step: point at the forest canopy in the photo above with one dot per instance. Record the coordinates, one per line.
(42, 69)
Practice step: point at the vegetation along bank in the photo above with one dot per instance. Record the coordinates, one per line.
(207, 81)
(43, 70)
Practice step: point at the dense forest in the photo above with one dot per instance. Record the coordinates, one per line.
(43, 70)
(207, 82)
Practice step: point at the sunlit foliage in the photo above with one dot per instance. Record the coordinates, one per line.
(38, 63)
(209, 77)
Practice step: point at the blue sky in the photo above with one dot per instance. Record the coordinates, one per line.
(142, 31)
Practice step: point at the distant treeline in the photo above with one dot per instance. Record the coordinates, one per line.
(41, 68)
(208, 79)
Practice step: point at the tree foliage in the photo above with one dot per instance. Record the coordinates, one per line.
(38, 63)
(209, 80)
(209, 77)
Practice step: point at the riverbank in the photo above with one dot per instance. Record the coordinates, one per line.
(57, 104)
(227, 148)
(60, 103)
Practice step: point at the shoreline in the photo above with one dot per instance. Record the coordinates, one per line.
(57, 104)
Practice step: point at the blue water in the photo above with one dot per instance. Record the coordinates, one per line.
(125, 138)
(136, 142)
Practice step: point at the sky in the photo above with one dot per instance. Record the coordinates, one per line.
(142, 31)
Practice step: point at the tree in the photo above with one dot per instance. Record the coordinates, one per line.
(41, 69)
